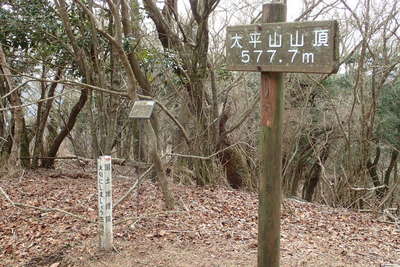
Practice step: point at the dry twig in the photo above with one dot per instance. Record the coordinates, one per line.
(21, 205)
(138, 181)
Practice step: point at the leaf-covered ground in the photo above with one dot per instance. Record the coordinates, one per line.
(212, 226)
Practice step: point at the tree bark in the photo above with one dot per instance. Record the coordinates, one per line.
(41, 122)
(373, 172)
(314, 175)
(193, 73)
(158, 166)
(393, 161)
(18, 114)
(231, 158)
(372, 167)
(49, 163)
(304, 152)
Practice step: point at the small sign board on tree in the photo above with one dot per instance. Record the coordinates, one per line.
(142, 109)
(284, 47)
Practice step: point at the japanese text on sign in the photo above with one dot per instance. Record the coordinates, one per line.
(104, 176)
(283, 47)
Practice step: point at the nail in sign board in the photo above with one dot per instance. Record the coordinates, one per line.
(308, 47)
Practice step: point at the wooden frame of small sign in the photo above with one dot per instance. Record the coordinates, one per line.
(142, 109)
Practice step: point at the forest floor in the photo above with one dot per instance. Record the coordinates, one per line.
(210, 226)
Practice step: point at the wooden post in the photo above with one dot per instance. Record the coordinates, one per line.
(272, 102)
(272, 48)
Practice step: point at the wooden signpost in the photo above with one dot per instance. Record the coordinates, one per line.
(273, 48)
(104, 185)
(283, 47)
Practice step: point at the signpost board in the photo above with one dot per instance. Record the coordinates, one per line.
(283, 47)
(272, 48)
(142, 109)
(104, 186)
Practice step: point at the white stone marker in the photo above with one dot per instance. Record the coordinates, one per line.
(104, 186)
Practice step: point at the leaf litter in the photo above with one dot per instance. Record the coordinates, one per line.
(211, 226)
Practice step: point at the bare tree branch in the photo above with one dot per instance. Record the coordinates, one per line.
(132, 88)
(137, 183)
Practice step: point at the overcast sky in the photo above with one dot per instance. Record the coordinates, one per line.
(294, 8)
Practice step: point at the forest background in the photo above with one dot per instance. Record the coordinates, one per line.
(71, 70)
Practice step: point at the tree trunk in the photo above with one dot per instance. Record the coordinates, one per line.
(158, 165)
(314, 175)
(27, 136)
(304, 152)
(94, 142)
(41, 121)
(372, 167)
(393, 161)
(18, 114)
(193, 74)
(4, 143)
(373, 172)
(49, 163)
(231, 158)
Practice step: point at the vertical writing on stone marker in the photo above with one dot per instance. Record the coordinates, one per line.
(105, 201)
